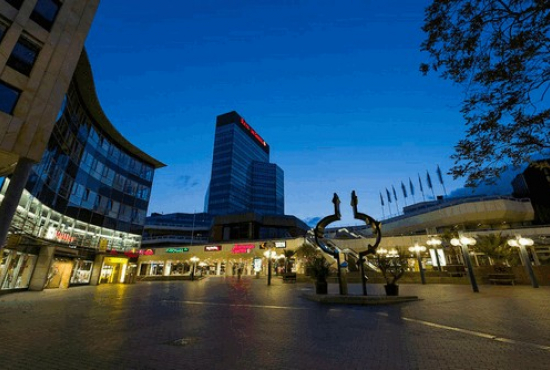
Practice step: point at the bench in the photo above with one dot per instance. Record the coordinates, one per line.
(289, 277)
(455, 270)
(501, 278)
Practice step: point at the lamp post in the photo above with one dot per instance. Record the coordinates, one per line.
(463, 242)
(522, 243)
(435, 243)
(417, 249)
(193, 259)
(269, 254)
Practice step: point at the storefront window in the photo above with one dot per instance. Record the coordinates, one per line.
(16, 269)
(82, 272)
(59, 273)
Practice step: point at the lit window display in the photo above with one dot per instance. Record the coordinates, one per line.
(82, 271)
(16, 269)
(35, 218)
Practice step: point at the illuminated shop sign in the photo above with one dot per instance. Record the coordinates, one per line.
(254, 133)
(133, 253)
(212, 248)
(54, 234)
(177, 250)
(242, 248)
(280, 244)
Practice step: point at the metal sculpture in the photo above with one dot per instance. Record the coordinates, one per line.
(371, 249)
(331, 249)
(326, 245)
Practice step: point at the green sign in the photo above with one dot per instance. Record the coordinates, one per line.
(177, 250)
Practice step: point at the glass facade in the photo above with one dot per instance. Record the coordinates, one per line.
(268, 191)
(240, 154)
(36, 219)
(87, 177)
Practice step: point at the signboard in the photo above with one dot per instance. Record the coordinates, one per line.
(254, 133)
(212, 248)
(257, 264)
(177, 250)
(133, 253)
(54, 234)
(280, 244)
(103, 243)
(242, 248)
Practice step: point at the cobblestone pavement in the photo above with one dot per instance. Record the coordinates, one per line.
(225, 323)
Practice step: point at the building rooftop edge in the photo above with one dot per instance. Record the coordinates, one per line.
(86, 87)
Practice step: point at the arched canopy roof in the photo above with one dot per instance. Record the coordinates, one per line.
(84, 81)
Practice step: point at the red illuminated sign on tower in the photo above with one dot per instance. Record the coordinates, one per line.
(254, 133)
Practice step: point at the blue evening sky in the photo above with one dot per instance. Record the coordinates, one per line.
(333, 86)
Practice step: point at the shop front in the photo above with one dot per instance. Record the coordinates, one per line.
(228, 259)
(70, 266)
(16, 267)
(115, 270)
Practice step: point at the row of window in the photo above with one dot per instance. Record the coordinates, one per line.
(76, 125)
(44, 13)
(25, 52)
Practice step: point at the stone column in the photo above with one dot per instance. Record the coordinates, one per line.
(40, 274)
(13, 194)
(96, 269)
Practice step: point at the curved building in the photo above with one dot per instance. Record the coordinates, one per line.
(87, 196)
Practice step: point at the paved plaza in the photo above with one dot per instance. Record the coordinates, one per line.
(225, 323)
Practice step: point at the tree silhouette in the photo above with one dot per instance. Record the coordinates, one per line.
(497, 49)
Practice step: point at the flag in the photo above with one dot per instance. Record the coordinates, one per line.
(404, 189)
(411, 187)
(439, 175)
(381, 200)
(388, 194)
(429, 180)
(394, 193)
(420, 183)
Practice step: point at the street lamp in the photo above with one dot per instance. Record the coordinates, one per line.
(194, 259)
(382, 251)
(269, 254)
(417, 249)
(463, 242)
(522, 243)
(435, 243)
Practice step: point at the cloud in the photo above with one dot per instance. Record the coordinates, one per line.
(186, 182)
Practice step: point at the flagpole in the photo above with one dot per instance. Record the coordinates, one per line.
(441, 180)
(421, 188)
(396, 202)
(411, 187)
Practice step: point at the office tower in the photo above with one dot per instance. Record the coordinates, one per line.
(242, 179)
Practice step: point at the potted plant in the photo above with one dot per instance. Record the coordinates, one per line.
(392, 265)
(306, 253)
(320, 270)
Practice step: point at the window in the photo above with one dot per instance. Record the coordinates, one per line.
(15, 3)
(8, 97)
(23, 56)
(44, 13)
